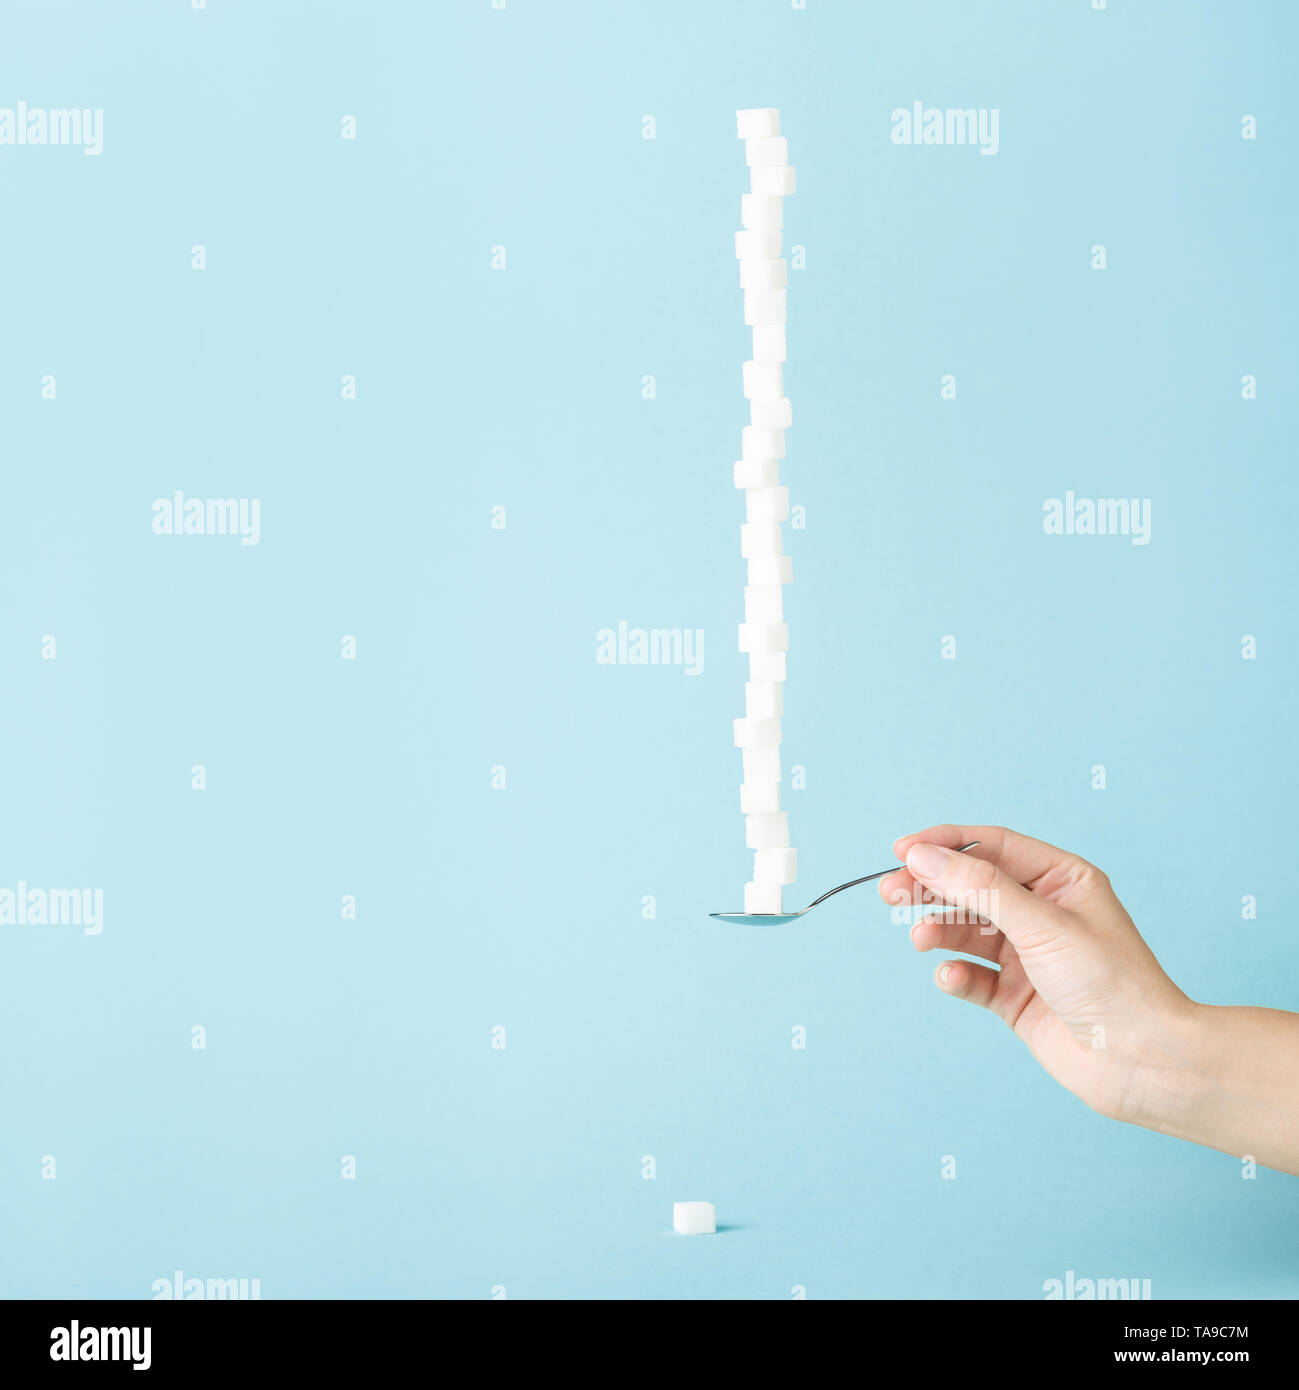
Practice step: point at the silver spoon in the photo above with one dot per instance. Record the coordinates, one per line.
(776, 919)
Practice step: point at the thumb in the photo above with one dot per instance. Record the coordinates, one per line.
(982, 889)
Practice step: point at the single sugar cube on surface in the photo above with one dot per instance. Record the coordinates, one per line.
(775, 181)
(757, 246)
(758, 443)
(764, 637)
(764, 898)
(757, 123)
(759, 213)
(765, 570)
(770, 830)
(756, 473)
(772, 415)
(766, 504)
(764, 699)
(764, 275)
(764, 603)
(694, 1218)
(764, 306)
(763, 381)
(761, 151)
(761, 764)
(760, 538)
(769, 342)
(775, 866)
(766, 666)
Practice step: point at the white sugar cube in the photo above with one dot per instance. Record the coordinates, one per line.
(761, 765)
(775, 866)
(766, 504)
(757, 246)
(775, 180)
(764, 898)
(765, 570)
(756, 797)
(763, 381)
(765, 666)
(760, 121)
(761, 444)
(772, 415)
(764, 306)
(756, 473)
(769, 830)
(764, 699)
(694, 1218)
(760, 538)
(769, 342)
(764, 275)
(759, 213)
(762, 604)
(756, 733)
(764, 637)
(761, 151)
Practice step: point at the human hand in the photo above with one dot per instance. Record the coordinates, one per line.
(1076, 981)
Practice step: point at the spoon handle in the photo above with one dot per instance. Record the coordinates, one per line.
(870, 878)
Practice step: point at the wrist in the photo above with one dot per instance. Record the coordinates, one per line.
(1170, 1079)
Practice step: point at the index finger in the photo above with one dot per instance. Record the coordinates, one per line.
(1024, 859)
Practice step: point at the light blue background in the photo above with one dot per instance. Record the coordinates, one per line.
(522, 388)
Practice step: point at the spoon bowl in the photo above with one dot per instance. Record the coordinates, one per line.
(778, 919)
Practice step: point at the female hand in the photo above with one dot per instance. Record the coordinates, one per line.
(1079, 985)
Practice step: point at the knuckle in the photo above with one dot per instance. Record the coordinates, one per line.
(1090, 878)
(982, 874)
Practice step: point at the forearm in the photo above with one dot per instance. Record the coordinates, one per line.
(1233, 1085)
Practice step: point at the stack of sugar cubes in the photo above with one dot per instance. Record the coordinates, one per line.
(764, 634)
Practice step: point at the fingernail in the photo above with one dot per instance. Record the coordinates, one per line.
(928, 861)
(943, 973)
